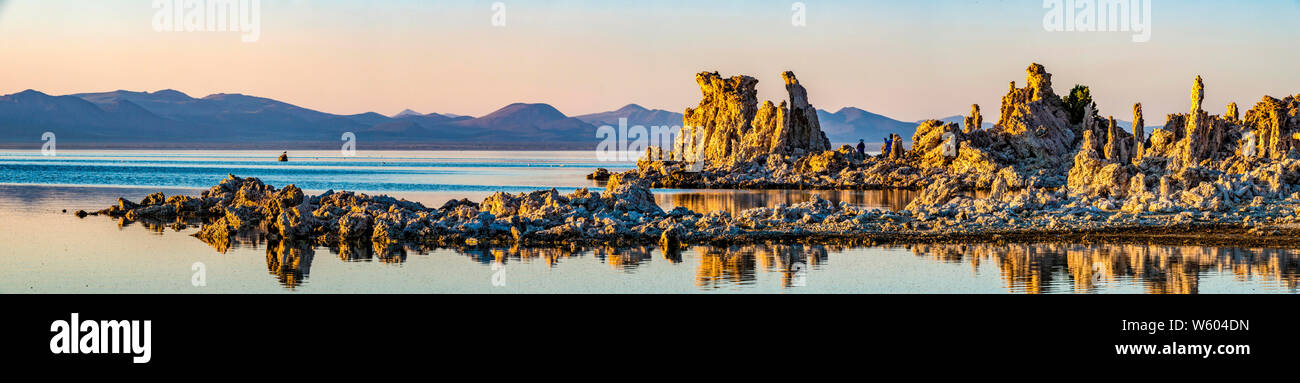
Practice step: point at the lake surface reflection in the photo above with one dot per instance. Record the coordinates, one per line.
(1058, 267)
(1019, 268)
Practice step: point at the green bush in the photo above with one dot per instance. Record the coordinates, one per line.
(1077, 103)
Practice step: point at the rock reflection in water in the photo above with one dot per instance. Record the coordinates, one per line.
(550, 256)
(1022, 268)
(1033, 268)
(624, 259)
(735, 201)
(370, 251)
(158, 226)
(290, 261)
(739, 265)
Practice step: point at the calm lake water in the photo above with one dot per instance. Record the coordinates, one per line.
(44, 250)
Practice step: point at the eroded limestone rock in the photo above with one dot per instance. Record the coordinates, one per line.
(975, 121)
(1275, 123)
(1139, 133)
(728, 127)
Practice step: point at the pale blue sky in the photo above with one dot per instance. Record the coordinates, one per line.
(906, 59)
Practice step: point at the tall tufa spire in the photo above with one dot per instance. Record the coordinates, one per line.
(1198, 95)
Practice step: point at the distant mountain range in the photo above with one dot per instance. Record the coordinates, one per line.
(172, 119)
(848, 125)
(635, 115)
(169, 118)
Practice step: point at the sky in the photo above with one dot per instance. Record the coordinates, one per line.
(906, 59)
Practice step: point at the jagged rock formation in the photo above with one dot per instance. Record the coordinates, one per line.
(1035, 123)
(945, 146)
(1198, 94)
(729, 127)
(802, 132)
(1194, 139)
(1139, 133)
(1032, 144)
(1095, 175)
(975, 121)
(712, 131)
(1115, 150)
(1203, 134)
(1275, 123)
(1033, 138)
(1197, 161)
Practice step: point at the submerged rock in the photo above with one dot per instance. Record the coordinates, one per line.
(601, 174)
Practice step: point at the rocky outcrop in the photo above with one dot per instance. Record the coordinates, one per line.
(1203, 134)
(712, 131)
(1033, 145)
(729, 127)
(801, 133)
(1139, 133)
(975, 121)
(1114, 148)
(1033, 137)
(1198, 94)
(1275, 123)
(1262, 200)
(1095, 175)
(1034, 128)
(935, 143)
(1033, 141)
(601, 174)
(939, 193)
